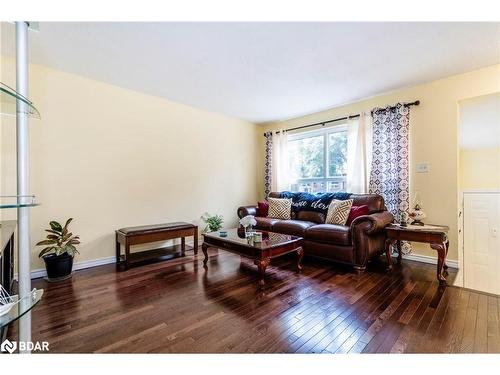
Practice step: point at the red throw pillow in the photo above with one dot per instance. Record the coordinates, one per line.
(357, 211)
(262, 208)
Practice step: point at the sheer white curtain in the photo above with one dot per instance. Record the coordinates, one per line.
(359, 154)
(280, 177)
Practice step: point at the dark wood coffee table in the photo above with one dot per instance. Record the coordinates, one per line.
(273, 245)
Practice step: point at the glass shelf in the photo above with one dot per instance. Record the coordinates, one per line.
(8, 102)
(18, 201)
(21, 307)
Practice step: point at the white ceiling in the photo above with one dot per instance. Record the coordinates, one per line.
(479, 122)
(262, 71)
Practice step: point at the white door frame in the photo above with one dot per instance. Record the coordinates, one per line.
(459, 281)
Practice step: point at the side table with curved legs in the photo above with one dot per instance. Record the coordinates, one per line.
(434, 235)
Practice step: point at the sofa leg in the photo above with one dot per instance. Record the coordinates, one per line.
(359, 269)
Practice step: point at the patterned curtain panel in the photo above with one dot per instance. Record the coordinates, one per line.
(390, 163)
(268, 170)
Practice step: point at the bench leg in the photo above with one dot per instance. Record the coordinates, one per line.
(127, 255)
(118, 250)
(183, 246)
(195, 240)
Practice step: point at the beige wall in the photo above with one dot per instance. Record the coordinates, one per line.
(480, 169)
(111, 157)
(433, 137)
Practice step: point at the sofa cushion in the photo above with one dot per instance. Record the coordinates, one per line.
(335, 252)
(335, 234)
(315, 217)
(265, 223)
(293, 227)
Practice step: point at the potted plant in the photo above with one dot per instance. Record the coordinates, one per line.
(59, 250)
(214, 222)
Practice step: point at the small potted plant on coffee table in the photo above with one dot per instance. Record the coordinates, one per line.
(59, 251)
(214, 222)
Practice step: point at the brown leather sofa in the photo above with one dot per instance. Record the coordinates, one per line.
(355, 245)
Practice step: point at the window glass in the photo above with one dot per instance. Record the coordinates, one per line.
(318, 162)
(307, 157)
(337, 154)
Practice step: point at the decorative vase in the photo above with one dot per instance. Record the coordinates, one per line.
(248, 230)
(417, 215)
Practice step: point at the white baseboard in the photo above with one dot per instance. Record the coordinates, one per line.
(35, 274)
(429, 260)
(41, 272)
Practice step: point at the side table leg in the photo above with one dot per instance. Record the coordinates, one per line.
(388, 253)
(300, 255)
(445, 266)
(441, 249)
(204, 248)
(400, 253)
(262, 264)
(127, 256)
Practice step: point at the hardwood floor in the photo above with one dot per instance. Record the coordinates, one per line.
(178, 307)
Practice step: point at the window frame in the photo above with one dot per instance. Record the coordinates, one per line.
(325, 132)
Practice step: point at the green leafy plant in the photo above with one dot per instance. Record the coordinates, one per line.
(214, 222)
(59, 240)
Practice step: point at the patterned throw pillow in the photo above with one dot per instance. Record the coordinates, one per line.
(338, 212)
(279, 208)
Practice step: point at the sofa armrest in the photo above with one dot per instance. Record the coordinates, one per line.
(247, 210)
(373, 223)
(368, 236)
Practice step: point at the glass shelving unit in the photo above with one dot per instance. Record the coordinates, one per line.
(15, 103)
(21, 307)
(18, 201)
(8, 107)
(8, 102)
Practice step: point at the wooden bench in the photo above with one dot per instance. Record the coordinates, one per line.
(152, 233)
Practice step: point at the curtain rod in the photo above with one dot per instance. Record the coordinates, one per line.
(323, 123)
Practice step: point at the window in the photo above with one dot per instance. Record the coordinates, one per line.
(318, 160)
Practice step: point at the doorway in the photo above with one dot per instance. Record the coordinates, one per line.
(479, 183)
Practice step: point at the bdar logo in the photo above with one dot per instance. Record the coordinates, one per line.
(8, 346)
